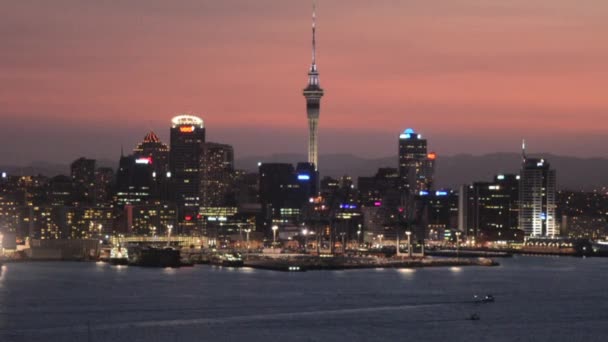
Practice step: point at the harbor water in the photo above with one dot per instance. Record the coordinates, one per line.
(536, 299)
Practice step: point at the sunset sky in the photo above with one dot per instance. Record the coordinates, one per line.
(80, 78)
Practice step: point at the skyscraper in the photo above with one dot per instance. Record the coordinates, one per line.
(187, 137)
(217, 168)
(313, 94)
(537, 198)
(83, 177)
(415, 165)
(152, 147)
(491, 209)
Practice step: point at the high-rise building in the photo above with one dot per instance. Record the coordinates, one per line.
(415, 164)
(151, 147)
(134, 181)
(381, 189)
(313, 93)
(83, 176)
(187, 138)
(537, 189)
(435, 215)
(308, 179)
(61, 191)
(217, 168)
(281, 194)
(491, 209)
(149, 219)
(104, 177)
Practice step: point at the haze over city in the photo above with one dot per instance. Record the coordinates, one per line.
(472, 76)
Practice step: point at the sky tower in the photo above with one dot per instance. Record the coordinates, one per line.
(313, 94)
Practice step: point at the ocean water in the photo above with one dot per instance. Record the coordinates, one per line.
(537, 299)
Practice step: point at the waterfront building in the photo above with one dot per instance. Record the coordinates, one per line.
(88, 222)
(151, 219)
(492, 209)
(281, 194)
(537, 189)
(435, 215)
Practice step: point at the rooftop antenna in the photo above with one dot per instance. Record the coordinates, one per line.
(523, 150)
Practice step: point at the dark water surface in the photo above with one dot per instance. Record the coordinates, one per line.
(537, 299)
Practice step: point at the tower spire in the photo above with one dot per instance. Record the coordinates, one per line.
(523, 150)
(314, 33)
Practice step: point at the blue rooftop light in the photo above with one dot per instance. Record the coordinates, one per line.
(409, 131)
(303, 177)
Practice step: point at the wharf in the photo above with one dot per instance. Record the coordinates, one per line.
(310, 263)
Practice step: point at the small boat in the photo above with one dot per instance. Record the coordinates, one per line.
(486, 299)
(474, 317)
(227, 260)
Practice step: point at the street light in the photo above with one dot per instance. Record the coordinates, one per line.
(458, 244)
(169, 229)
(305, 233)
(409, 243)
(380, 236)
(358, 237)
(274, 234)
(247, 231)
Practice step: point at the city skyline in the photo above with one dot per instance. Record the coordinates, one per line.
(116, 78)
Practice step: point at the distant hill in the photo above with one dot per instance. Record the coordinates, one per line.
(451, 171)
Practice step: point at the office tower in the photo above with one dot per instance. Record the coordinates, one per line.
(11, 199)
(149, 219)
(89, 222)
(187, 138)
(104, 177)
(83, 176)
(61, 191)
(537, 198)
(415, 165)
(308, 179)
(157, 155)
(134, 181)
(280, 194)
(313, 94)
(217, 168)
(492, 209)
(428, 171)
(435, 215)
(151, 147)
(381, 189)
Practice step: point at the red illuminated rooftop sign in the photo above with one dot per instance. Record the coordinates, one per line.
(186, 129)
